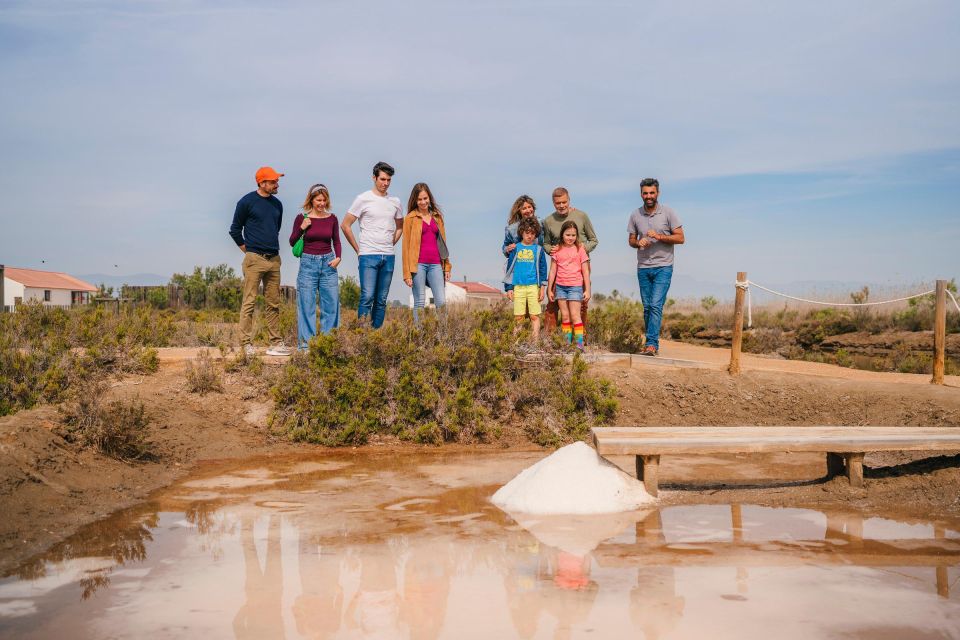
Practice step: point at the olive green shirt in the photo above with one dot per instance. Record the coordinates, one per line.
(553, 222)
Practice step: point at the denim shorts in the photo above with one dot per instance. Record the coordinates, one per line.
(569, 293)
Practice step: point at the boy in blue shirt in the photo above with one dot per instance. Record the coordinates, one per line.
(526, 275)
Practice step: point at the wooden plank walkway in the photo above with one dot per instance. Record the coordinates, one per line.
(844, 446)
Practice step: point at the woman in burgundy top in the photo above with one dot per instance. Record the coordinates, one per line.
(425, 258)
(318, 266)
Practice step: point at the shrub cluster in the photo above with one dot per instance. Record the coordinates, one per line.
(204, 375)
(117, 429)
(45, 351)
(461, 377)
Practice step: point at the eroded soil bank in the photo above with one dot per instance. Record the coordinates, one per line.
(48, 488)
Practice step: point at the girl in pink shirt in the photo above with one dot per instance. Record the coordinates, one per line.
(569, 281)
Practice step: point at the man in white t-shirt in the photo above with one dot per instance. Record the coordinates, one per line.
(381, 223)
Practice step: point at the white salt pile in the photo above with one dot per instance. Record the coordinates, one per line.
(573, 480)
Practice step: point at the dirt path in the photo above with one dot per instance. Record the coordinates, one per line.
(49, 488)
(719, 359)
(678, 354)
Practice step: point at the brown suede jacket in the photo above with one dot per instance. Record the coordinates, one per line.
(412, 230)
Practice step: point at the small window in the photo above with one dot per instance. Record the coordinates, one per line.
(46, 295)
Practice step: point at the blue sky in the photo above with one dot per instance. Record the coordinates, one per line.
(809, 141)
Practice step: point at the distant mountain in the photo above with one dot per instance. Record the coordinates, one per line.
(117, 281)
(681, 287)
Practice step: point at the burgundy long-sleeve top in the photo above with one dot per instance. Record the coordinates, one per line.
(322, 235)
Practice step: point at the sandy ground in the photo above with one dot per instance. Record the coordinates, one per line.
(48, 488)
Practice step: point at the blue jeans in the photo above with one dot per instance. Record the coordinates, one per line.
(316, 275)
(376, 271)
(427, 274)
(654, 284)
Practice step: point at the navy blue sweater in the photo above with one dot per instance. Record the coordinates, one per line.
(256, 223)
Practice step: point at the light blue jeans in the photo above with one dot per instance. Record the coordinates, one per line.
(432, 275)
(654, 284)
(376, 272)
(316, 276)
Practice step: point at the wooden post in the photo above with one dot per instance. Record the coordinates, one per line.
(943, 582)
(737, 326)
(939, 332)
(854, 468)
(648, 470)
(3, 305)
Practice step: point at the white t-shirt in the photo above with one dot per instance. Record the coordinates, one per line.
(376, 215)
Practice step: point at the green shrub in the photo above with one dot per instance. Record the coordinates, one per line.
(204, 375)
(117, 429)
(461, 378)
(823, 323)
(349, 292)
(617, 325)
(44, 351)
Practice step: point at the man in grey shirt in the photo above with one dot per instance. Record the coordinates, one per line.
(654, 229)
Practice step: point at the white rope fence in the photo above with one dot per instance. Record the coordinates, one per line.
(746, 284)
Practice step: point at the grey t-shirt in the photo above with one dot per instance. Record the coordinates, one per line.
(663, 220)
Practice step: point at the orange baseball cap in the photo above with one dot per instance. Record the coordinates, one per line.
(267, 173)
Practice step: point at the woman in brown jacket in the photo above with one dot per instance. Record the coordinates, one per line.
(426, 260)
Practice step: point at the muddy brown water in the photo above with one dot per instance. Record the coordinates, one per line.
(388, 546)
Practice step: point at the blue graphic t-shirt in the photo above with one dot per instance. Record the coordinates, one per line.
(525, 265)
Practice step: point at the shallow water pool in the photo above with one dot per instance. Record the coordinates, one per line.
(408, 546)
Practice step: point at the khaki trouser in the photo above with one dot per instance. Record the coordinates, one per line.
(256, 268)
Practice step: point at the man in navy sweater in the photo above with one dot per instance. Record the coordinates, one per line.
(255, 229)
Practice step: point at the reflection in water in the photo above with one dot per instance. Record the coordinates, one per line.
(374, 609)
(261, 616)
(426, 588)
(655, 606)
(319, 606)
(426, 556)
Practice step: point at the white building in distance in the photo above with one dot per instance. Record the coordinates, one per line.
(50, 288)
(471, 293)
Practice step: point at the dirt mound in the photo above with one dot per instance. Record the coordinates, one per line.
(692, 397)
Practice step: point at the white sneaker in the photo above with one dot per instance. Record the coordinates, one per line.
(249, 351)
(279, 349)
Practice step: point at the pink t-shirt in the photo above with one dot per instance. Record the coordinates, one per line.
(569, 260)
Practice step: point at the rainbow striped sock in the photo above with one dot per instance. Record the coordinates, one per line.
(578, 333)
(567, 329)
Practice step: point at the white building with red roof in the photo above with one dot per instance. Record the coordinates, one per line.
(46, 287)
(472, 293)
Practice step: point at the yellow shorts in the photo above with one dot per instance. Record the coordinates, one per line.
(526, 297)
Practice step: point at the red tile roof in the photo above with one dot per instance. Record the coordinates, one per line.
(46, 279)
(476, 287)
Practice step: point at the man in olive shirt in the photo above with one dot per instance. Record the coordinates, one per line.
(551, 241)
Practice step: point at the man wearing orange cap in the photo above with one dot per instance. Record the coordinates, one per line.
(256, 229)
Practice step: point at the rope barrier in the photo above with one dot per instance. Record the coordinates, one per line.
(955, 303)
(747, 284)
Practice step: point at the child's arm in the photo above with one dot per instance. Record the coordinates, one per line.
(542, 268)
(552, 280)
(585, 267)
(508, 243)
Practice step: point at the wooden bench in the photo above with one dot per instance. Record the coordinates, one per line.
(844, 446)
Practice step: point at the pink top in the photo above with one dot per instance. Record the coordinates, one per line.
(429, 254)
(569, 261)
